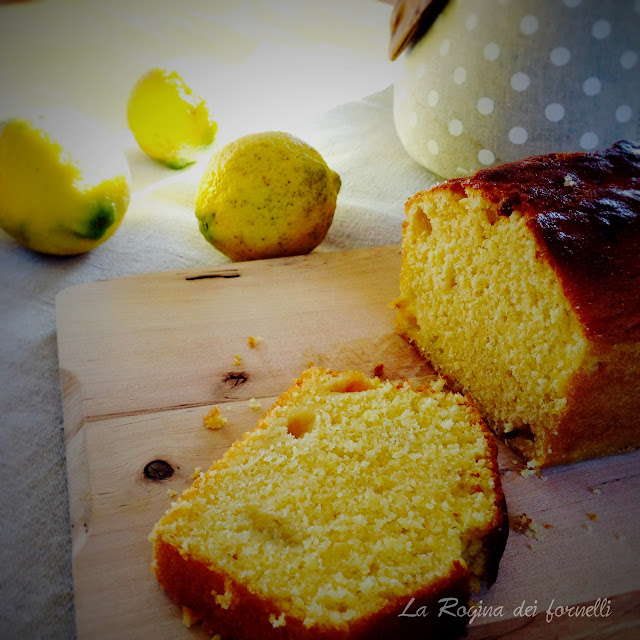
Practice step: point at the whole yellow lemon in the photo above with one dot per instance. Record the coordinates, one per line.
(169, 122)
(64, 186)
(266, 195)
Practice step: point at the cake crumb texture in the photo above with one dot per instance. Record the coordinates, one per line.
(351, 496)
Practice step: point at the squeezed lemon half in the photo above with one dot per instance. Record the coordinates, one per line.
(64, 186)
(168, 120)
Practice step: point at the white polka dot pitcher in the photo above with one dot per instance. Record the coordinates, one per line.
(493, 81)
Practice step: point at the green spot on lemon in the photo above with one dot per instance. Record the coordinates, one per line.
(101, 220)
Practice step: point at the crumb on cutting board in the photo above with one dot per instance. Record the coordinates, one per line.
(237, 360)
(214, 420)
(171, 493)
(593, 516)
(255, 404)
(254, 341)
(531, 469)
(525, 525)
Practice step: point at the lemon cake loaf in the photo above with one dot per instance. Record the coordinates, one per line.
(350, 511)
(521, 285)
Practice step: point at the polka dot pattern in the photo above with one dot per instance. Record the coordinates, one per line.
(518, 135)
(485, 106)
(588, 140)
(628, 60)
(592, 86)
(601, 29)
(554, 112)
(486, 157)
(455, 127)
(491, 51)
(560, 56)
(459, 75)
(529, 25)
(520, 81)
(472, 21)
(563, 76)
(624, 113)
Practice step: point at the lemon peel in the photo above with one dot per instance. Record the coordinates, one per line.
(64, 186)
(168, 120)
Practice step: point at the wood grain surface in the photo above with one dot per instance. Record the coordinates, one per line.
(143, 359)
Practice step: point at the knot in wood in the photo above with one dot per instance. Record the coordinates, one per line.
(158, 470)
(235, 378)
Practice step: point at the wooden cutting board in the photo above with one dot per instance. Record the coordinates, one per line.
(143, 359)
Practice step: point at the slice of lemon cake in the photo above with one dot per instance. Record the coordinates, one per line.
(354, 503)
(521, 285)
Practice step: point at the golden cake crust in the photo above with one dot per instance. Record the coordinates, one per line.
(191, 583)
(194, 584)
(598, 263)
(602, 415)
